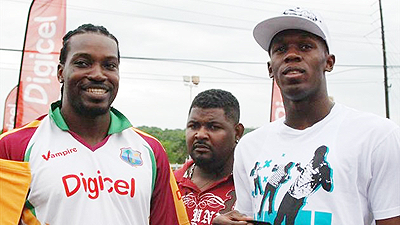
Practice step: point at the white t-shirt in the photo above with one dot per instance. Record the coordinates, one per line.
(359, 182)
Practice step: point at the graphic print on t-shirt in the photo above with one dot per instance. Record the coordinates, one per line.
(207, 206)
(300, 182)
(257, 181)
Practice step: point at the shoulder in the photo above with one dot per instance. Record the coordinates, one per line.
(366, 121)
(252, 144)
(364, 128)
(179, 173)
(156, 148)
(152, 141)
(14, 142)
(258, 135)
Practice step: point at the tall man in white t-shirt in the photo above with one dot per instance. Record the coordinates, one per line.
(360, 174)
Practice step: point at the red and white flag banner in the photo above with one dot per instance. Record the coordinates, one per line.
(277, 109)
(9, 110)
(38, 85)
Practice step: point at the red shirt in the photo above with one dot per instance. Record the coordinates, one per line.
(203, 206)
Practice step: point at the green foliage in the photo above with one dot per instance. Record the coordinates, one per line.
(173, 141)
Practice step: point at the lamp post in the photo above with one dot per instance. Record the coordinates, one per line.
(191, 81)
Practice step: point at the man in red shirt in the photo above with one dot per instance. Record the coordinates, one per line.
(212, 132)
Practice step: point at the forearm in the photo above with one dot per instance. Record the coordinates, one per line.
(391, 221)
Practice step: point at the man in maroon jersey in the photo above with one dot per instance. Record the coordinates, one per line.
(212, 132)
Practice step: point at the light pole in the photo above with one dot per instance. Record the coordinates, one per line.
(385, 77)
(191, 81)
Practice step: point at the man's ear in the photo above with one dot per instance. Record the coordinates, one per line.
(271, 75)
(330, 62)
(60, 76)
(239, 130)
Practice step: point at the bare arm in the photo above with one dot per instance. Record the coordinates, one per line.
(326, 181)
(391, 221)
(232, 218)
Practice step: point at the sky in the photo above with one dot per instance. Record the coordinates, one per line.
(161, 41)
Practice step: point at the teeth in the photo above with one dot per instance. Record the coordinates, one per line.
(293, 72)
(96, 91)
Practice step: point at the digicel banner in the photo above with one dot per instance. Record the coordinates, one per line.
(9, 110)
(38, 85)
(277, 109)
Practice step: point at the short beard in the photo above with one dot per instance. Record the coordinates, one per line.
(93, 112)
(89, 112)
(210, 165)
(204, 163)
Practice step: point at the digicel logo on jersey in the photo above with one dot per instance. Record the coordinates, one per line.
(59, 154)
(94, 185)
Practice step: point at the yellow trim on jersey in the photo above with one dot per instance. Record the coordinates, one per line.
(180, 208)
(28, 218)
(147, 135)
(34, 123)
(15, 178)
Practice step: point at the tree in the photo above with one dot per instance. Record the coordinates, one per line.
(173, 141)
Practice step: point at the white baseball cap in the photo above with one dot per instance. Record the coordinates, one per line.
(295, 18)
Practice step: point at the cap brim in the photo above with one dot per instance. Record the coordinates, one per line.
(267, 29)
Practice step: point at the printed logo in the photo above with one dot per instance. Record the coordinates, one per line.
(303, 13)
(304, 181)
(93, 186)
(204, 208)
(50, 155)
(132, 157)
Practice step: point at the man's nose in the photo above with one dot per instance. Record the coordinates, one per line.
(292, 54)
(201, 133)
(97, 73)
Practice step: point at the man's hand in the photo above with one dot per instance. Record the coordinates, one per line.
(232, 218)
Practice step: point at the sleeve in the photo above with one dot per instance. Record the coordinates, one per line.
(166, 205)
(13, 143)
(242, 185)
(384, 194)
(15, 175)
(15, 178)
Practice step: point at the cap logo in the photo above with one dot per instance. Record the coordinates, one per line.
(303, 13)
(296, 19)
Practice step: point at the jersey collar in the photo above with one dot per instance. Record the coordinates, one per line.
(118, 121)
